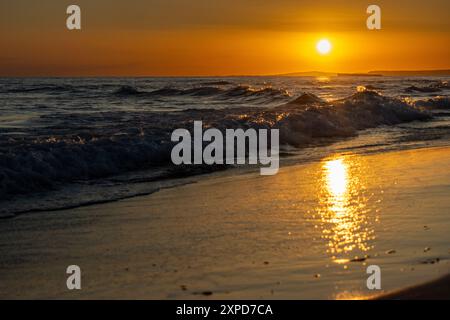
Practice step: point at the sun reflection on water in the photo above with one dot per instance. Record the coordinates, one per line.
(336, 171)
(343, 209)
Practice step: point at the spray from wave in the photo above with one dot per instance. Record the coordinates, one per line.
(130, 141)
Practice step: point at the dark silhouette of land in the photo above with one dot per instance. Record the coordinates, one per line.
(435, 290)
(443, 72)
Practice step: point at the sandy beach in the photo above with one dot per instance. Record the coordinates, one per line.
(307, 233)
(438, 289)
(189, 152)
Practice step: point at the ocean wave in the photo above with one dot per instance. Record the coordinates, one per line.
(343, 117)
(217, 83)
(248, 91)
(240, 91)
(127, 91)
(373, 88)
(431, 88)
(440, 102)
(129, 141)
(42, 89)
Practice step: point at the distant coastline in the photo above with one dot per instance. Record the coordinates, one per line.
(442, 72)
(359, 75)
(376, 73)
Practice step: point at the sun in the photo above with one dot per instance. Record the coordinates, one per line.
(323, 46)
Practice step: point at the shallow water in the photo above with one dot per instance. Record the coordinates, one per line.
(309, 232)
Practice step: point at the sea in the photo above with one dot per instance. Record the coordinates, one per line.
(70, 142)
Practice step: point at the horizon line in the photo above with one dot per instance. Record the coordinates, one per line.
(299, 73)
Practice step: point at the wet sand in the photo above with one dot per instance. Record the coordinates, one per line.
(438, 289)
(309, 232)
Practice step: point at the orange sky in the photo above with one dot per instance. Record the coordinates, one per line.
(219, 37)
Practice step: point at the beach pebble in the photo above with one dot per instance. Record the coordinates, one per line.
(358, 259)
(205, 293)
(426, 249)
(431, 261)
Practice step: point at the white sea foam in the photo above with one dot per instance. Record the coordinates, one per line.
(57, 132)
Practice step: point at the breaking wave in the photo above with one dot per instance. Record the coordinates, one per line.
(439, 102)
(433, 87)
(132, 140)
(235, 91)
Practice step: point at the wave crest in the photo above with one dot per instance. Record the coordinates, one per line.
(240, 91)
(129, 141)
(440, 102)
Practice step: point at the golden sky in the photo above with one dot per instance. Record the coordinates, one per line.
(219, 37)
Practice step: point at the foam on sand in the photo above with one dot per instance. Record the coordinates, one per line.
(309, 232)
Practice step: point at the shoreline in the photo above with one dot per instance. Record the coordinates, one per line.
(290, 236)
(438, 289)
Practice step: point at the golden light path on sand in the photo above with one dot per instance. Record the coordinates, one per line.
(343, 210)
